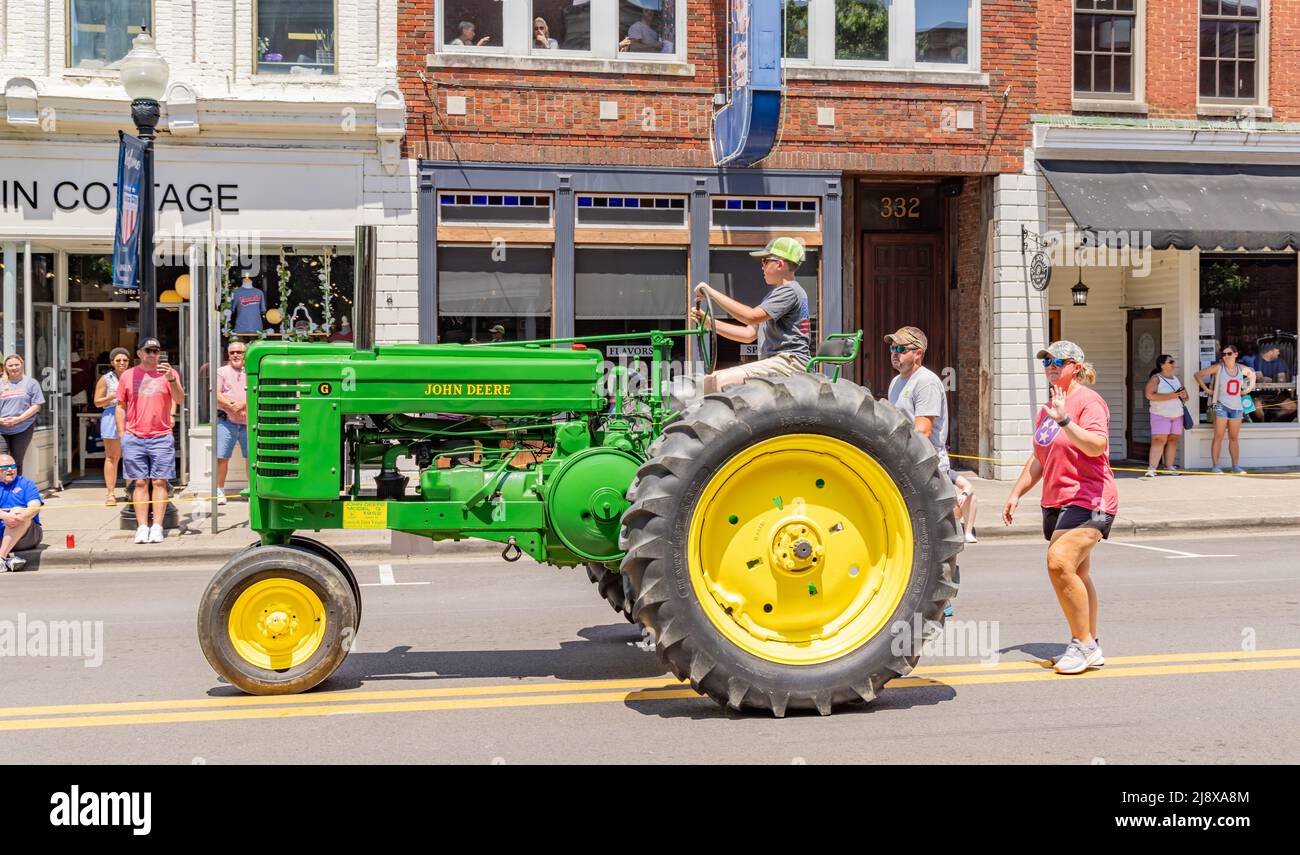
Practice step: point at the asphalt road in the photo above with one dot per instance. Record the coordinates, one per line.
(478, 661)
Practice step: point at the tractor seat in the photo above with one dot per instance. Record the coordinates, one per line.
(835, 348)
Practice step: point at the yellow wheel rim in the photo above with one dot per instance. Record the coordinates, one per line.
(800, 549)
(277, 624)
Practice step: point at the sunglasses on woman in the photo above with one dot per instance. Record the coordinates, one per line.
(1058, 362)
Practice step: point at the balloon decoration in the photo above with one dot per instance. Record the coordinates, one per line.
(273, 316)
(182, 286)
(170, 296)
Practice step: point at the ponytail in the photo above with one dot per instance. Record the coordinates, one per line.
(1087, 374)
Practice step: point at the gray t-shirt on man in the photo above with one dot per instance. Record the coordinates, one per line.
(789, 330)
(923, 394)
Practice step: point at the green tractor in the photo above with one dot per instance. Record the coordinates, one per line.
(777, 539)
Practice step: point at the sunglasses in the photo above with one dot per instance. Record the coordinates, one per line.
(766, 261)
(1058, 362)
(13, 467)
(236, 352)
(1230, 353)
(902, 348)
(152, 350)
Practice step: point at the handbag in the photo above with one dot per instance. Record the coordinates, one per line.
(1188, 421)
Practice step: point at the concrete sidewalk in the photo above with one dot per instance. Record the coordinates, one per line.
(1197, 504)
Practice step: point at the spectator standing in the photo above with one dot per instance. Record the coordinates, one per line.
(232, 415)
(1232, 383)
(1071, 458)
(20, 521)
(21, 399)
(146, 395)
(106, 398)
(1166, 393)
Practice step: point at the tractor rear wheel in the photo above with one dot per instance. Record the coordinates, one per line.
(610, 586)
(784, 542)
(277, 620)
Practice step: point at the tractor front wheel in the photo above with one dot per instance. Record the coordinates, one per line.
(277, 620)
(784, 542)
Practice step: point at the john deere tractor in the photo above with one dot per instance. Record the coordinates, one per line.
(776, 539)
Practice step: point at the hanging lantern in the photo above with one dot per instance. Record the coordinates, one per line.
(1080, 291)
(182, 286)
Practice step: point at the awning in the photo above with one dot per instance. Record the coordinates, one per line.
(1183, 205)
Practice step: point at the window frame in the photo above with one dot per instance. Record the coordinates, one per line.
(67, 41)
(517, 37)
(822, 41)
(1261, 59)
(1137, 66)
(286, 76)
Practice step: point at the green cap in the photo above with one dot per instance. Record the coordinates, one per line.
(786, 248)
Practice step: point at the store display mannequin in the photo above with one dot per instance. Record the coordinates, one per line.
(247, 304)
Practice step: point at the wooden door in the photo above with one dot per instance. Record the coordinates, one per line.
(901, 284)
(1144, 347)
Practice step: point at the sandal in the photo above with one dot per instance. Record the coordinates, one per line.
(110, 500)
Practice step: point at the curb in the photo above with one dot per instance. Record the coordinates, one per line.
(117, 556)
(1138, 528)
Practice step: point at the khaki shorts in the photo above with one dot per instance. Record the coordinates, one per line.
(781, 365)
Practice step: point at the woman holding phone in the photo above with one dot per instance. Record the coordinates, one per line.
(1071, 458)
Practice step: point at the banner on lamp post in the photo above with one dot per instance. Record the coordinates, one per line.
(126, 240)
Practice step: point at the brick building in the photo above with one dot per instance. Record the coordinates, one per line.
(1165, 156)
(567, 159)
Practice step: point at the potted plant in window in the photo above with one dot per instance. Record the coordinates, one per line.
(324, 48)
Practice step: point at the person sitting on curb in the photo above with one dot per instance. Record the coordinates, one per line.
(20, 521)
(780, 323)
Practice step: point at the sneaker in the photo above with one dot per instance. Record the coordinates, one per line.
(1218, 470)
(142, 534)
(156, 534)
(221, 496)
(7, 565)
(1237, 470)
(1150, 473)
(1077, 658)
(1101, 660)
(970, 536)
(1173, 470)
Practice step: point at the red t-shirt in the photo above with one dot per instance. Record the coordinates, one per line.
(1071, 477)
(147, 399)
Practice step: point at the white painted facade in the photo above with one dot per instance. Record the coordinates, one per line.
(302, 158)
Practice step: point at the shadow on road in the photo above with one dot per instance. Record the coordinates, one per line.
(1040, 650)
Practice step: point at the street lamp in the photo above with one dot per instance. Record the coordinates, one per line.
(144, 77)
(1080, 291)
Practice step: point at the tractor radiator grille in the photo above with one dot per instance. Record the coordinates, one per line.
(278, 433)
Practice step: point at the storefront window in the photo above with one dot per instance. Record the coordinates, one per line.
(100, 32)
(862, 30)
(90, 280)
(630, 291)
(295, 37)
(300, 312)
(736, 273)
(488, 293)
(1251, 302)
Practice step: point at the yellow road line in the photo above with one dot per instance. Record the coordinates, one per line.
(576, 686)
(669, 691)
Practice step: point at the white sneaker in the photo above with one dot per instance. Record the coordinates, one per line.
(156, 534)
(221, 496)
(1150, 473)
(970, 536)
(142, 534)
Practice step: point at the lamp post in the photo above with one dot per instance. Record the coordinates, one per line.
(144, 77)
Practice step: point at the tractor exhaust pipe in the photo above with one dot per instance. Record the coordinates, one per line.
(363, 282)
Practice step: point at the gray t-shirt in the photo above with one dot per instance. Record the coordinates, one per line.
(923, 394)
(789, 329)
(17, 397)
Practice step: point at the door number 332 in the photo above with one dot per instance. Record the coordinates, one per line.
(900, 208)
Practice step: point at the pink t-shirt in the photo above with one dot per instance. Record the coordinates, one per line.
(232, 385)
(147, 399)
(1071, 477)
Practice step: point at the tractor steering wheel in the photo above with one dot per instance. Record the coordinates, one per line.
(707, 334)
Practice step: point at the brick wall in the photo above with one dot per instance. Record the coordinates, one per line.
(971, 230)
(525, 115)
(1172, 70)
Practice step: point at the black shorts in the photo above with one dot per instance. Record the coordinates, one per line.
(1075, 516)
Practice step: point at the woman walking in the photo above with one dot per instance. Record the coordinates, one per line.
(1071, 458)
(1166, 393)
(21, 399)
(1232, 383)
(106, 397)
